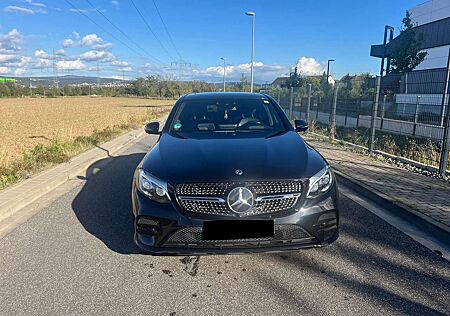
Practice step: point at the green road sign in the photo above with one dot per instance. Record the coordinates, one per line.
(5, 80)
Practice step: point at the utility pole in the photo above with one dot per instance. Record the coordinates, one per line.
(416, 115)
(328, 69)
(224, 72)
(333, 114)
(386, 29)
(291, 104)
(55, 72)
(253, 15)
(98, 76)
(308, 105)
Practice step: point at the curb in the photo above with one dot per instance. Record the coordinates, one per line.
(24, 193)
(387, 201)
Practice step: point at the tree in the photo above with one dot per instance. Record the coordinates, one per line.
(406, 54)
(243, 83)
(295, 79)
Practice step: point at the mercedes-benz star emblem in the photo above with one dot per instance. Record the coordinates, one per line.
(239, 172)
(240, 200)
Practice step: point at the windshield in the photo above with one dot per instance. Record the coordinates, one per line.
(213, 116)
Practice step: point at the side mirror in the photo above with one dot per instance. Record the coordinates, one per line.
(152, 128)
(301, 125)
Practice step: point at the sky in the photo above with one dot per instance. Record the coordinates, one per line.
(186, 39)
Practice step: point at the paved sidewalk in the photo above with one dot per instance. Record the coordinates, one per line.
(426, 197)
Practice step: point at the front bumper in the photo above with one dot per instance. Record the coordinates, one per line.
(169, 230)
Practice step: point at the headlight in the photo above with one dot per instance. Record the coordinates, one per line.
(320, 182)
(152, 187)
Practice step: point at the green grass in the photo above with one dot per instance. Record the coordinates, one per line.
(426, 151)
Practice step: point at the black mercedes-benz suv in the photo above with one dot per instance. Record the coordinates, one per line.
(229, 174)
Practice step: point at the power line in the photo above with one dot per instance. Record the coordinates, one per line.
(151, 30)
(103, 29)
(166, 29)
(122, 32)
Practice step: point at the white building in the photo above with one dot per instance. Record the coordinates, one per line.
(434, 18)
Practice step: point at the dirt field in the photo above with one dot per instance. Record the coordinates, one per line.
(26, 122)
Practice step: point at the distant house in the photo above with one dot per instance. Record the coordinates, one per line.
(281, 82)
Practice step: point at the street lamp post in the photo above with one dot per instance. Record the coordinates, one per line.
(253, 15)
(328, 69)
(224, 72)
(391, 30)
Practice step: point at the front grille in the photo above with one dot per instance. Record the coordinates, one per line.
(203, 189)
(221, 188)
(192, 236)
(210, 198)
(206, 207)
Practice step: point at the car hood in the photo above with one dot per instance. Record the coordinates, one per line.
(182, 160)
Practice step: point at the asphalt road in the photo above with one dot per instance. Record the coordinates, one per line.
(76, 256)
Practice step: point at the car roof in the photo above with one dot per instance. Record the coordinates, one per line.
(223, 95)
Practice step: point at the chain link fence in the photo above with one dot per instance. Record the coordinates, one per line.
(407, 127)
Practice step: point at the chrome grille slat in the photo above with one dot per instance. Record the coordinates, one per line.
(210, 198)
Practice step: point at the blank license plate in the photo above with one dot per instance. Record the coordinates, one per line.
(237, 229)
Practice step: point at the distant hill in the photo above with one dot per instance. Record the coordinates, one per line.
(64, 80)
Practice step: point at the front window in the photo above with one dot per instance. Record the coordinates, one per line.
(227, 116)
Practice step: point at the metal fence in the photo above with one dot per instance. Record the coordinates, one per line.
(408, 127)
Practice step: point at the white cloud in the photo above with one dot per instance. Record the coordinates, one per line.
(76, 35)
(263, 72)
(120, 63)
(68, 43)
(85, 11)
(96, 55)
(42, 63)
(308, 66)
(10, 42)
(60, 52)
(7, 58)
(125, 69)
(4, 70)
(20, 71)
(10, 52)
(23, 10)
(17, 61)
(36, 4)
(91, 39)
(104, 46)
(41, 54)
(70, 64)
(16, 9)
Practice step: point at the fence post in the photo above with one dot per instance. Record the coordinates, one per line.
(308, 104)
(291, 103)
(416, 115)
(383, 109)
(374, 116)
(443, 161)
(333, 114)
(358, 111)
(317, 104)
